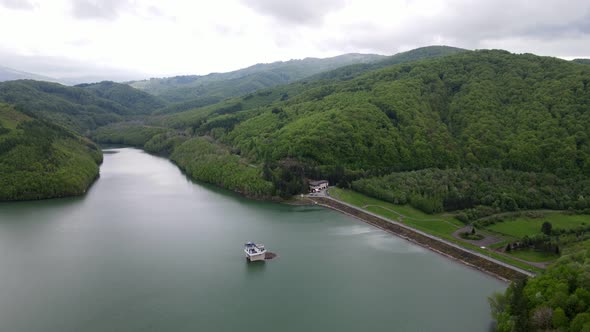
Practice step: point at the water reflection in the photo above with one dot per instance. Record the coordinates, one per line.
(254, 268)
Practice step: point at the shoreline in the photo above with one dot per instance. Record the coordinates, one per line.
(490, 266)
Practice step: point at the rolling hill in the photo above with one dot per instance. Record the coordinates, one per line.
(439, 110)
(9, 74)
(339, 74)
(39, 159)
(80, 108)
(481, 109)
(247, 80)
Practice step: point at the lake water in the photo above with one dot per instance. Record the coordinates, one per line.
(148, 250)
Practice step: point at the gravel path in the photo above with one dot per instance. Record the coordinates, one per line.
(486, 241)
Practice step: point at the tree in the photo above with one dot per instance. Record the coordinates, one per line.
(579, 322)
(542, 318)
(559, 318)
(546, 228)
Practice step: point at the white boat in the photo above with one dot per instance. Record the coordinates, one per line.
(255, 252)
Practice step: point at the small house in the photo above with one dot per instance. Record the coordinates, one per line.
(315, 186)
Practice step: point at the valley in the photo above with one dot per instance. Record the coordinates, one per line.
(487, 150)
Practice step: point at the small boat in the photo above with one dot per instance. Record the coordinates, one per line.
(254, 252)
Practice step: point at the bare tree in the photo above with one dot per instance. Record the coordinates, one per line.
(542, 318)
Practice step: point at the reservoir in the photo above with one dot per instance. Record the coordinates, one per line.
(146, 249)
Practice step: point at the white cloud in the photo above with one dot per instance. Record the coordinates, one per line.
(181, 37)
(99, 9)
(298, 12)
(17, 4)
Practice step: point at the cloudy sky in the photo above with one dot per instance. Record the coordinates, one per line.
(123, 39)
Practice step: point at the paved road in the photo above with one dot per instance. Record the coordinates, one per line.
(325, 194)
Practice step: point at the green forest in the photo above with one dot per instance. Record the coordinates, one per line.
(82, 108)
(436, 190)
(39, 159)
(557, 300)
(202, 159)
(240, 82)
(471, 110)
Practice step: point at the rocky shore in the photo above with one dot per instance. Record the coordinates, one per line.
(464, 256)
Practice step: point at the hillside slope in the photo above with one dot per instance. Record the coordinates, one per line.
(39, 159)
(485, 108)
(137, 101)
(79, 108)
(283, 92)
(482, 109)
(243, 81)
(422, 53)
(9, 74)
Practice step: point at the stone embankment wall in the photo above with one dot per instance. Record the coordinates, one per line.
(464, 256)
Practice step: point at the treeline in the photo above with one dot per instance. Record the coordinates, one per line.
(203, 160)
(246, 80)
(437, 190)
(467, 111)
(557, 300)
(136, 101)
(475, 109)
(127, 133)
(39, 159)
(81, 108)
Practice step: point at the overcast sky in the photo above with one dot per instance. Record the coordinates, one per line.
(125, 39)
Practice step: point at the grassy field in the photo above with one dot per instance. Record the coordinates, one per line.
(440, 225)
(441, 228)
(534, 256)
(575, 247)
(522, 226)
(406, 211)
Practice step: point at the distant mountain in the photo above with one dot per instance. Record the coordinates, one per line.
(134, 99)
(341, 73)
(79, 108)
(582, 61)
(243, 81)
(9, 74)
(284, 92)
(351, 71)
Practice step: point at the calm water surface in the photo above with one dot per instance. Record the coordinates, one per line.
(148, 250)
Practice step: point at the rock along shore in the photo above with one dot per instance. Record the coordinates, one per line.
(495, 268)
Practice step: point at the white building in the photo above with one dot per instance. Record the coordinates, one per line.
(315, 186)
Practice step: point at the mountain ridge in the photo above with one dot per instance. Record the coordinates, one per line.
(10, 74)
(80, 108)
(245, 80)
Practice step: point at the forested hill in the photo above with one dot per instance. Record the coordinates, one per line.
(243, 81)
(351, 71)
(582, 61)
(483, 108)
(39, 159)
(79, 108)
(475, 109)
(330, 76)
(137, 101)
